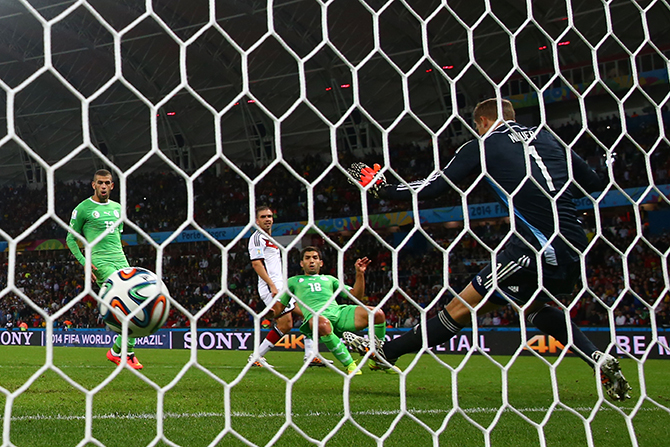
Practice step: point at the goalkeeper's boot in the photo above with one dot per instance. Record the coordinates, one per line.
(318, 363)
(351, 369)
(131, 360)
(615, 384)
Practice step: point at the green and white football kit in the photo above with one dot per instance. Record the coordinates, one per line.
(92, 219)
(313, 292)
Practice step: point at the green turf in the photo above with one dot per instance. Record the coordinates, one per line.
(51, 411)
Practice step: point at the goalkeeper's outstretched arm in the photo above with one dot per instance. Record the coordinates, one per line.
(466, 160)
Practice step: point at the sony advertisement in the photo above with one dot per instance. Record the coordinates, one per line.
(493, 341)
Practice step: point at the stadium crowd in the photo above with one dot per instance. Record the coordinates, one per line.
(193, 271)
(158, 201)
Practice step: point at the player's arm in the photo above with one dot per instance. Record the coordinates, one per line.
(284, 299)
(584, 176)
(361, 265)
(260, 270)
(76, 224)
(466, 159)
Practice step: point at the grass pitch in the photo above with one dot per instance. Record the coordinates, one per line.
(218, 403)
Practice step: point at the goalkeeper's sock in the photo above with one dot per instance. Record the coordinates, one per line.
(270, 341)
(339, 350)
(380, 331)
(439, 329)
(551, 320)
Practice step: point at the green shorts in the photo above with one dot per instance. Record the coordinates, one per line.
(342, 319)
(106, 269)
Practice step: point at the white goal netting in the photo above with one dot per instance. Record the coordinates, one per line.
(204, 110)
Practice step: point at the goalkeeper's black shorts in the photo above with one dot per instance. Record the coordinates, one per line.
(517, 278)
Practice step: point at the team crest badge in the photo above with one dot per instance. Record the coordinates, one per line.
(96, 214)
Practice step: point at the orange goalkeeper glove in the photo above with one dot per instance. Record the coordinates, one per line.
(364, 175)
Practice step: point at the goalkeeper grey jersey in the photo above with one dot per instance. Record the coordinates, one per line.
(505, 158)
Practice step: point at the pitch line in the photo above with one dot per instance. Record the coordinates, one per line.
(168, 415)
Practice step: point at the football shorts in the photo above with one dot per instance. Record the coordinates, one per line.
(517, 279)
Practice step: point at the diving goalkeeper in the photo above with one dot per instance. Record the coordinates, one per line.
(536, 179)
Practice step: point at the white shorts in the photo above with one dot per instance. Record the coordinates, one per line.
(270, 300)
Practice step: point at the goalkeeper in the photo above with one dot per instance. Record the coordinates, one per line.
(545, 218)
(314, 291)
(91, 218)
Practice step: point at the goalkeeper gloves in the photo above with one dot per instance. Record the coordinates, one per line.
(364, 175)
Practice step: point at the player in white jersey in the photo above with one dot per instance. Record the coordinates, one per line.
(266, 261)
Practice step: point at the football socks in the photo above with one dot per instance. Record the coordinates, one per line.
(439, 329)
(551, 320)
(339, 350)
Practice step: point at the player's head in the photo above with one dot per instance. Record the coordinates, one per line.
(486, 115)
(102, 185)
(310, 260)
(264, 218)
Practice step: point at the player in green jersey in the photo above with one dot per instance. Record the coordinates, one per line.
(314, 291)
(91, 218)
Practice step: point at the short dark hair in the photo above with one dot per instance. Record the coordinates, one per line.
(310, 248)
(102, 173)
(489, 109)
(260, 208)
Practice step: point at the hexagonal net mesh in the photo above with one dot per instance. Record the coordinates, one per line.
(288, 94)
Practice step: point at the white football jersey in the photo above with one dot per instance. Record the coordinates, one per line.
(261, 247)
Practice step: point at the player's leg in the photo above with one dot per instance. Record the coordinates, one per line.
(311, 348)
(361, 321)
(283, 322)
(114, 354)
(448, 322)
(552, 321)
(334, 344)
(439, 329)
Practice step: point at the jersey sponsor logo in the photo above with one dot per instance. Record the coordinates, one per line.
(301, 279)
(268, 243)
(513, 289)
(96, 214)
(107, 213)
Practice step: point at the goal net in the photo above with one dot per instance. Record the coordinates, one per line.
(204, 110)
